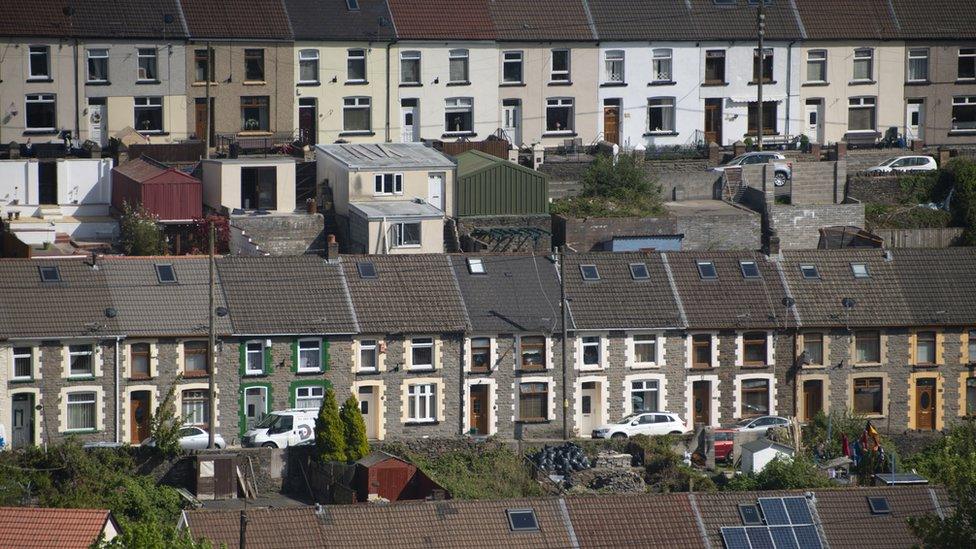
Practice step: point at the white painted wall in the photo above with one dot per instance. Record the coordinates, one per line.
(755, 462)
(84, 186)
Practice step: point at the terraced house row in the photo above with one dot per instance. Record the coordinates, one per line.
(632, 72)
(446, 345)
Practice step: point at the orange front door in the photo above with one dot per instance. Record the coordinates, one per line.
(479, 410)
(139, 416)
(925, 404)
(611, 124)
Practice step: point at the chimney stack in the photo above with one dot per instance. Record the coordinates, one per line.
(331, 248)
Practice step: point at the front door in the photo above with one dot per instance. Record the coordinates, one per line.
(914, 120)
(590, 416)
(512, 120)
(139, 412)
(367, 406)
(255, 405)
(812, 398)
(701, 396)
(47, 181)
(611, 122)
(409, 115)
(814, 120)
(200, 119)
(435, 190)
(22, 434)
(713, 121)
(97, 121)
(479, 410)
(925, 404)
(307, 118)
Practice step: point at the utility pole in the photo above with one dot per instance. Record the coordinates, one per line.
(244, 526)
(211, 355)
(565, 334)
(208, 76)
(761, 23)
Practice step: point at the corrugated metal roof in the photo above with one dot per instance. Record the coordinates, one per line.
(387, 156)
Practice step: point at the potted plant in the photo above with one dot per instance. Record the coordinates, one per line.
(804, 143)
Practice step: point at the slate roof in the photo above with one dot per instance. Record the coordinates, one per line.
(516, 294)
(410, 294)
(843, 19)
(730, 301)
(442, 19)
(387, 156)
(643, 20)
(617, 301)
(880, 299)
(51, 528)
(286, 295)
(948, 19)
(938, 285)
(737, 21)
(333, 20)
(285, 528)
(664, 521)
(237, 19)
(75, 306)
(94, 18)
(533, 21)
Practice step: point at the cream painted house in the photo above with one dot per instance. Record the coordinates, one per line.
(250, 184)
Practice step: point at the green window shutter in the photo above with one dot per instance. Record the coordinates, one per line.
(268, 365)
(325, 356)
(243, 362)
(294, 357)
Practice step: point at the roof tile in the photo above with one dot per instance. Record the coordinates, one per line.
(51, 528)
(442, 19)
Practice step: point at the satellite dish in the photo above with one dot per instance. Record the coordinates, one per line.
(110, 312)
(788, 301)
(168, 18)
(848, 302)
(221, 311)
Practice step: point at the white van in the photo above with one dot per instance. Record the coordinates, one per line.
(282, 429)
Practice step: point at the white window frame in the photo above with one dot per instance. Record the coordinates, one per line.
(412, 56)
(461, 56)
(142, 53)
(90, 353)
(458, 104)
(661, 58)
(13, 363)
(41, 98)
(657, 393)
(38, 50)
(309, 391)
(371, 345)
(355, 55)
(562, 103)
(203, 404)
(397, 234)
(658, 348)
(248, 354)
(965, 101)
(357, 103)
(68, 404)
(306, 57)
(513, 57)
(611, 60)
(102, 57)
(917, 54)
(668, 114)
(863, 102)
(968, 53)
(817, 57)
(380, 180)
(860, 57)
(560, 75)
(149, 103)
(587, 341)
(316, 351)
(422, 343)
(422, 398)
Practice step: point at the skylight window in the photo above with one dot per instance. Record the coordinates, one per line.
(353, 5)
(879, 505)
(706, 270)
(589, 272)
(476, 266)
(366, 269)
(166, 274)
(859, 270)
(809, 271)
(639, 271)
(522, 520)
(749, 269)
(50, 274)
(750, 514)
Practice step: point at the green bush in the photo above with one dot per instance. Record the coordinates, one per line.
(153, 535)
(620, 188)
(961, 174)
(781, 474)
(140, 233)
(164, 424)
(330, 439)
(354, 430)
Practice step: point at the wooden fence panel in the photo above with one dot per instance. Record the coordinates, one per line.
(920, 238)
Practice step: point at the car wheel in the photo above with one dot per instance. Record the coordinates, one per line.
(269, 445)
(618, 437)
(779, 179)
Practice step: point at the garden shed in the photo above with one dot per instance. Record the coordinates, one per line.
(491, 186)
(163, 191)
(383, 475)
(756, 455)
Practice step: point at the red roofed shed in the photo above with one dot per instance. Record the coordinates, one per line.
(166, 192)
(384, 475)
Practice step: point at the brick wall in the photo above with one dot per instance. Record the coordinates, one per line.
(589, 234)
(798, 227)
(818, 182)
(720, 232)
(703, 231)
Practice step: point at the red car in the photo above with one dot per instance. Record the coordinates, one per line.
(724, 441)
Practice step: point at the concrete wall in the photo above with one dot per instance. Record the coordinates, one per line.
(510, 244)
(372, 236)
(798, 227)
(818, 182)
(720, 232)
(222, 182)
(84, 186)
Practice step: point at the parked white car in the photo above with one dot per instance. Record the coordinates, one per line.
(902, 164)
(193, 438)
(283, 429)
(761, 423)
(648, 423)
(783, 170)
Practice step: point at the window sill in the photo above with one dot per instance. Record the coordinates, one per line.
(254, 133)
(753, 366)
(41, 132)
(512, 85)
(813, 366)
(927, 366)
(861, 83)
(702, 368)
(645, 366)
(202, 84)
(415, 369)
(40, 80)
(714, 84)
(480, 371)
(150, 132)
(465, 83)
(253, 373)
(918, 82)
(356, 83)
(530, 371)
(98, 83)
(962, 132)
(22, 380)
(591, 368)
(411, 85)
(367, 372)
(539, 421)
(410, 246)
(368, 132)
(416, 423)
(309, 372)
(560, 83)
(140, 378)
(661, 83)
(966, 81)
(653, 134)
(867, 365)
(613, 85)
(79, 431)
(148, 82)
(459, 134)
(559, 134)
(765, 83)
(195, 375)
(814, 84)
(89, 377)
(308, 84)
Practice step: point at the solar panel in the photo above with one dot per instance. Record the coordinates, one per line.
(759, 537)
(798, 510)
(808, 537)
(774, 511)
(783, 537)
(735, 538)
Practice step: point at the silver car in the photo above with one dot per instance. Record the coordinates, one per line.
(901, 164)
(761, 423)
(193, 438)
(783, 170)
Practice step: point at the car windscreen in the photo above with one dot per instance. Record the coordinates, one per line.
(627, 419)
(745, 422)
(890, 161)
(268, 422)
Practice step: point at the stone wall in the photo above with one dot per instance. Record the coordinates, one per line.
(508, 244)
(590, 234)
(720, 232)
(798, 227)
(679, 179)
(702, 231)
(875, 189)
(818, 182)
(293, 234)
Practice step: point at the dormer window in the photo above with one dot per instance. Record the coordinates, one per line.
(589, 272)
(859, 270)
(706, 270)
(166, 274)
(50, 274)
(749, 269)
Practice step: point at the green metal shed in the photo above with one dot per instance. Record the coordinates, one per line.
(488, 186)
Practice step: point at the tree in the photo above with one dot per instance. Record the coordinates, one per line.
(613, 187)
(354, 429)
(139, 232)
(330, 440)
(153, 535)
(200, 239)
(960, 173)
(164, 424)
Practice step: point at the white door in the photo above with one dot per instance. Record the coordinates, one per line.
(435, 190)
(590, 416)
(914, 120)
(411, 125)
(98, 124)
(814, 121)
(512, 122)
(255, 405)
(367, 406)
